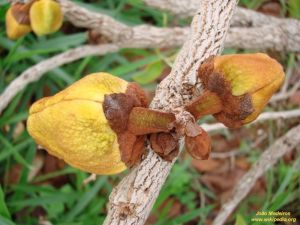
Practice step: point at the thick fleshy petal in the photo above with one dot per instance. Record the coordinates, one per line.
(248, 73)
(92, 87)
(260, 99)
(46, 17)
(71, 125)
(241, 84)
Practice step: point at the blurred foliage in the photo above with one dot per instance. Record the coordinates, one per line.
(294, 8)
(36, 187)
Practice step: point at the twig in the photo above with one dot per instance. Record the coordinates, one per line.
(287, 94)
(140, 36)
(223, 155)
(282, 146)
(131, 201)
(242, 17)
(35, 72)
(261, 32)
(252, 30)
(277, 34)
(263, 117)
(89, 179)
(279, 37)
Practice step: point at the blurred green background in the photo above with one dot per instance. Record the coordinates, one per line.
(35, 187)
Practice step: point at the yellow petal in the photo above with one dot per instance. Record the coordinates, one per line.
(92, 87)
(71, 125)
(260, 99)
(248, 73)
(46, 17)
(15, 30)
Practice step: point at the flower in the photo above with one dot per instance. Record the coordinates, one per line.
(237, 87)
(98, 124)
(72, 125)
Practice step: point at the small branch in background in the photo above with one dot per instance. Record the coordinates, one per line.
(270, 156)
(140, 36)
(89, 179)
(277, 34)
(268, 37)
(242, 17)
(251, 30)
(286, 94)
(35, 72)
(223, 155)
(263, 117)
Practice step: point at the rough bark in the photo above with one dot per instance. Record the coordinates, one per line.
(242, 16)
(131, 201)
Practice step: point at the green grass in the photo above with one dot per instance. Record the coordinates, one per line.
(72, 203)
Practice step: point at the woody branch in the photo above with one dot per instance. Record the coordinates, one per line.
(250, 29)
(131, 201)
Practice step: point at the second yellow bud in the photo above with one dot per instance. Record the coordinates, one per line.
(46, 17)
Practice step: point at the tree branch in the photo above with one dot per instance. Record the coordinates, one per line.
(279, 37)
(242, 16)
(277, 34)
(132, 200)
(252, 30)
(276, 151)
(140, 36)
(263, 117)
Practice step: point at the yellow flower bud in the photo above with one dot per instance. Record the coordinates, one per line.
(98, 124)
(238, 86)
(72, 125)
(17, 21)
(46, 17)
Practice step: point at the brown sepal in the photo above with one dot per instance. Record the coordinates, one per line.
(138, 150)
(206, 68)
(138, 94)
(165, 145)
(235, 110)
(199, 147)
(131, 147)
(207, 103)
(20, 12)
(116, 108)
(230, 110)
(192, 129)
(145, 121)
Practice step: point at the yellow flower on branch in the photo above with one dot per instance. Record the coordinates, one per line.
(98, 124)
(237, 87)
